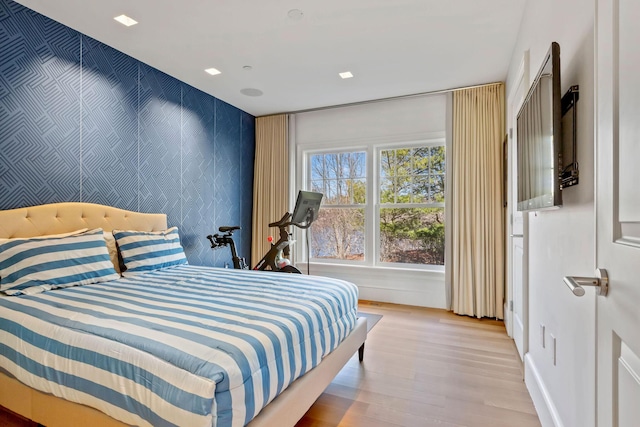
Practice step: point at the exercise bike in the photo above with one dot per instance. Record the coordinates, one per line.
(220, 240)
(277, 258)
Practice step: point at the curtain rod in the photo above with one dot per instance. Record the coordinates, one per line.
(371, 101)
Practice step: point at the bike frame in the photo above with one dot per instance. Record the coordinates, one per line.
(218, 240)
(276, 259)
(280, 249)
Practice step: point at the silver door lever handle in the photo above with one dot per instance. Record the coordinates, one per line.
(601, 282)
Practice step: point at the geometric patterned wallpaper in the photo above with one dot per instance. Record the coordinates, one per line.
(81, 121)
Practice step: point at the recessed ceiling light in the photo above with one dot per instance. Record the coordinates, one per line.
(247, 67)
(346, 75)
(125, 20)
(213, 71)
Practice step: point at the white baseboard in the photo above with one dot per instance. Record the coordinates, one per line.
(433, 298)
(547, 412)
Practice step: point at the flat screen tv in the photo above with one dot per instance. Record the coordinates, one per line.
(539, 146)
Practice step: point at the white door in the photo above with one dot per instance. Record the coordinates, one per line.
(516, 315)
(618, 211)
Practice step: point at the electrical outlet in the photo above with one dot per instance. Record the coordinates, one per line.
(553, 348)
(542, 336)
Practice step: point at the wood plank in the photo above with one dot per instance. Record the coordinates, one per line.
(428, 367)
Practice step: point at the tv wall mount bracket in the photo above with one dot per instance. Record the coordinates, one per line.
(569, 176)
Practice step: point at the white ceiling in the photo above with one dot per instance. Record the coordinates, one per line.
(393, 47)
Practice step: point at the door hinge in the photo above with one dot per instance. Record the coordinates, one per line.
(510, 305)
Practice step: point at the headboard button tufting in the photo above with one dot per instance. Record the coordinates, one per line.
(62, 217)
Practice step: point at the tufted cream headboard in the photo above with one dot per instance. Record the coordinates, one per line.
(65, 217)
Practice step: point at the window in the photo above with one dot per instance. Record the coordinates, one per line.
(411, 215)
(339, 231)
(393, 218)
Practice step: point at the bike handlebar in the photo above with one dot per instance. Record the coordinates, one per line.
(212, 239)
(284, 222)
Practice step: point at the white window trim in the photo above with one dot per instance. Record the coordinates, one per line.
(372, 207)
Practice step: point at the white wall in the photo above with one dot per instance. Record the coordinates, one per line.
(420, 116)
(399, 120)
(562, 242)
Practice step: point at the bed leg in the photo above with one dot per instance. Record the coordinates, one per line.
(361, 353)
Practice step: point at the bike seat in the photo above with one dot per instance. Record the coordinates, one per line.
(227, 228)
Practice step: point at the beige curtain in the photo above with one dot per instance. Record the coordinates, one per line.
(477, 255)
(270, 181)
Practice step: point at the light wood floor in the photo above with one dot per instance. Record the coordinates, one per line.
(428, 367)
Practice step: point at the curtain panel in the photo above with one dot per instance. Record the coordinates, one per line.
(477, 230)
(271, 180)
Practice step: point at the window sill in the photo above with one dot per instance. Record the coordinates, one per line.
(431, 269)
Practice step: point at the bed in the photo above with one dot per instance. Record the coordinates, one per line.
(287, 388)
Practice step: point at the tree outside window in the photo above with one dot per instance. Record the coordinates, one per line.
(410, 198)
(339, 232)
(411, 193)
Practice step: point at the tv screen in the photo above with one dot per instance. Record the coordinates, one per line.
(307, 207)
(539, 139)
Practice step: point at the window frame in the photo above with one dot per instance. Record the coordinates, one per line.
(372, 206)
(434, 142)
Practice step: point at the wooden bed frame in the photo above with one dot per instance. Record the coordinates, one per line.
(51, 411)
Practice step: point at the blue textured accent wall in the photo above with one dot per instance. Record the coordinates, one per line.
(81, 121)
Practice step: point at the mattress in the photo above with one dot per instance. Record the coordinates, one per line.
(188, 345)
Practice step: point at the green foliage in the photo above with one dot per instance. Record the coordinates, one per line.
(407, 176)
(412, 175)
(413, 235)
(433, 240)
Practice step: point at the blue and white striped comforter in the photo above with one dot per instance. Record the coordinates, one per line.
(187, 346)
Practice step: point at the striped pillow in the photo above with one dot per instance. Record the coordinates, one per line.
(144, 251)
(29, 266)
(113, 250)
(46, 236)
